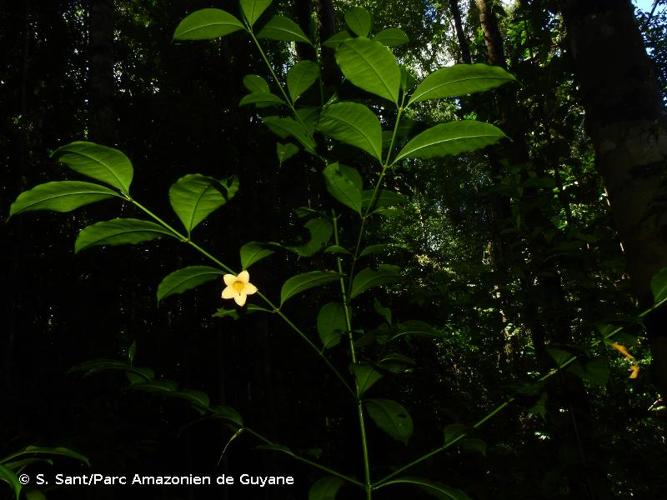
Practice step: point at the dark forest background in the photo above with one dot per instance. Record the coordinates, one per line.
(533, 244)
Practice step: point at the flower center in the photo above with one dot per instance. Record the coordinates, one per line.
(238, 286)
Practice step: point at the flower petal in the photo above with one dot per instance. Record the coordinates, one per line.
(240, 299)
(229, 293)
(244, 276)
(250, 289)
(229, 279)
(634, 371)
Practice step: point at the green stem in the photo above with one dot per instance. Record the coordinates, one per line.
(289, 452)
(368, 486)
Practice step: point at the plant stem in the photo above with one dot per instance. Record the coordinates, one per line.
(368, 486)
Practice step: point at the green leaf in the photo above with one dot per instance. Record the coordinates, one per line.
(392, 37)
(227, 413)
(474, 444)
(198, 399)
(253, 9)
(596, 372)
(253, 252)
(61, 451)
(325, 488)
(342, 187)
(435, 489)
(659, 285)
(105, 164)
(558, 355)
(186, 279)
(369, 278)
(207, 24)
(289, 127)
(226, 313)
(334, 41)
(320, 231)
(415, 327)
(301, 77)
(63, 196)
(331, 324)
(262, 100)
(370, 66)
(283, 29)
(460, 79)
(10, 478)
(366, 376)
(286, 151)
(358, 20)
(118, 232)
(353, 124)
(450, 139)
(194, 197)
(256, 84)
(302, 282)
(391, 417)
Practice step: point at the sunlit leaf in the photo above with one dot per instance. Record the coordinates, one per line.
(253, 9)
(391, 417)
(63, 196)
(119, 232)
(252, 252)
(285, 127)
(334, 41)
(358, 20)
(460, 79)
(102, 163)
(301, 77)
(186, 279)
(302, 282)
(207, 24)
(194, 197)
(342, 187)
(392, 37)
(450, 139)
(283, 29)
(370, 66)
(353, 124)
(262, 100)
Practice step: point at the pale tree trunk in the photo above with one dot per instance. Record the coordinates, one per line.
(625, 121)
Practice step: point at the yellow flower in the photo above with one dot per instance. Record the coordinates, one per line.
(634, 371)
(622, 349)
(238, 287)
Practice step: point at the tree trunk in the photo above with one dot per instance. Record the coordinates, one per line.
(492, 36)
(102, 126)
(624, 118)
(327, 28)
(464, 46)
